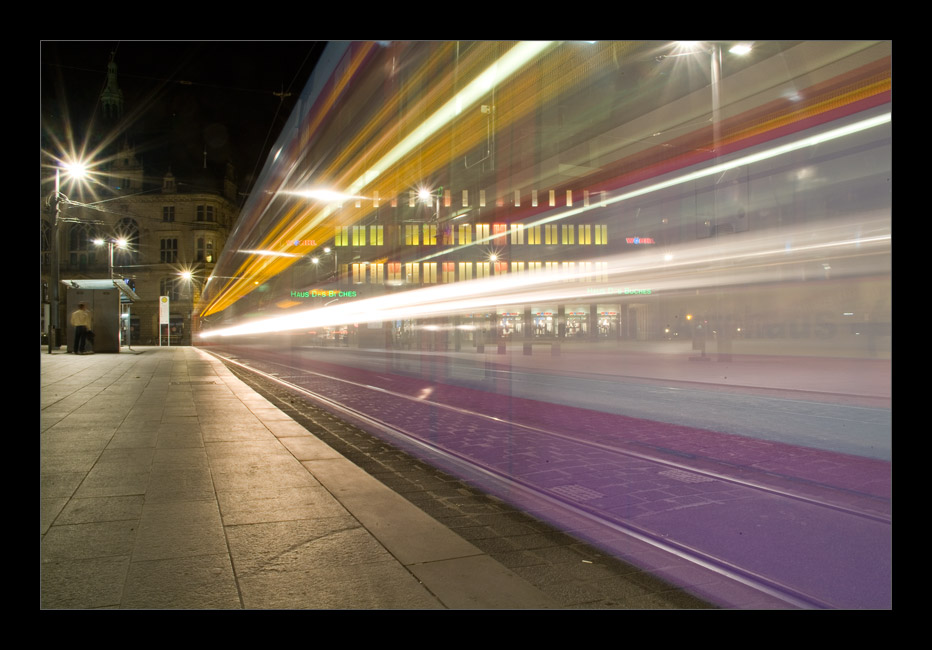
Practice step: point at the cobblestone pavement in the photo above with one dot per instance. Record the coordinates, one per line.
(570, 571)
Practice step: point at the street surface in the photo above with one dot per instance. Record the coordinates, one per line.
(796, 502)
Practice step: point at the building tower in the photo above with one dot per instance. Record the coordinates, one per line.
(111, 98)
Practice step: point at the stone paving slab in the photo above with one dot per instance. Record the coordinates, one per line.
(167, 483)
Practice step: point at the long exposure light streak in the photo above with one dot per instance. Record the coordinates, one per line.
(447, 299)
(696, 266)
(809, 141)
(506, 66)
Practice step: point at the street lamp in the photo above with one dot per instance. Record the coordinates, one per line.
(723, 343)
(122, 244)
(328, 251)
(73, 170)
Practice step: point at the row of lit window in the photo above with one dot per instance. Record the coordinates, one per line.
(464, 234)
(432, 272)
(168, 249)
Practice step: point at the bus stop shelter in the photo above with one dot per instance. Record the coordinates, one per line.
(110, 302)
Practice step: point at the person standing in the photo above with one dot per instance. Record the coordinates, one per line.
(81, 319)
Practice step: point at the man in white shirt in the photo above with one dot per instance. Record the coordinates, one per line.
(81, 319)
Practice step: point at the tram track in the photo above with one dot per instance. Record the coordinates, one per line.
(401, 419)
(656, 458)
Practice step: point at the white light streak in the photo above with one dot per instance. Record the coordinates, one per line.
(780, 150)
(694, 265)
(698, 264)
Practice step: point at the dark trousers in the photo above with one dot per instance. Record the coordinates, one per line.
(80, 337)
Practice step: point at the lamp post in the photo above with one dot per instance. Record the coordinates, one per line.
(122, 244)
(721, 320)
(328, 251)
(75, 170)
(196, 287)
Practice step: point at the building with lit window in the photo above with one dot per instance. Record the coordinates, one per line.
(622, 178)
(160, 233)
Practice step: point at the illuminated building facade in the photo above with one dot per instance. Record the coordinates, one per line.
(626, 173)
(167, 234)
(161, 234)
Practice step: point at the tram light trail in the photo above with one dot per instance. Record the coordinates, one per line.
(302, 224)
(631, 218)
(277, 259)
(760, 259)
(428, 146)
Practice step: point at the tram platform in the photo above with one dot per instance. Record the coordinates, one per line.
(168, 483)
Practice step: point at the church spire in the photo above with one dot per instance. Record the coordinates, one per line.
(111, 99)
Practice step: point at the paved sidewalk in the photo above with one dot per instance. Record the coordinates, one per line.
(166, 482)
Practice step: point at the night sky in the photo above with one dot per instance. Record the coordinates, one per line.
(180, 97)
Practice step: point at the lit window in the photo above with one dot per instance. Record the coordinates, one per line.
(394, 272)
(483, 269)
(601, 234)
(376, 235)
(412, 273)
(498, 232)
(517, 233)
(585, 234)
(550, 234)
(568, 234)
(482, 231)
(412, 237)
(465, 271)
(205, 249)
(359, 235)
(533, 235)
(430, 234)
(465, 233)
(341, 236)
(449, 272)
(377, 273)
(359, 273)
(430, 272)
